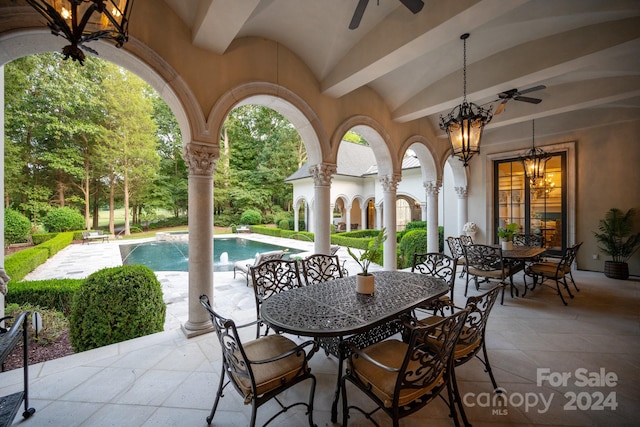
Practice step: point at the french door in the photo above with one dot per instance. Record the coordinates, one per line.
(539, 208)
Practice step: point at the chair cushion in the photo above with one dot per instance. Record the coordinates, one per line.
(492, 274)
(244, 264)
(270, 375)
(546, 269)
(390, 353)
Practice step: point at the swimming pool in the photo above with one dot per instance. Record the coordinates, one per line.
(174, 255)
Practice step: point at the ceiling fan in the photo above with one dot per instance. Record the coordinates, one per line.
(517, 95)
(414, 6)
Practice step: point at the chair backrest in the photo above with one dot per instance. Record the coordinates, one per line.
(568, 257)
(235, 360)
(436, 264)
(528, 240)
(484, 257)
(321, 268)
(476, 322)
(455, 246)
(465, 240)
(429, 355)
(273, 276)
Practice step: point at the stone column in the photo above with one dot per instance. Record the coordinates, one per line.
(363, 215)
(348, 217)
(379, 210)
(389, 186)
(201, 160)
(296, 218)
(423, 211)
(4, 279)
(322, 174)
(463, 197)
(432, 189)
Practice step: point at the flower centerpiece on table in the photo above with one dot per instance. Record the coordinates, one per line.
(470, 227)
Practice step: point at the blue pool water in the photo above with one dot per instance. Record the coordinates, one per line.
(174, 255)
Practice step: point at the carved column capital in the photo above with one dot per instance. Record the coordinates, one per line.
(390, 182)
(432, 188)
(462, 192)
(201, 158)
(322, 173)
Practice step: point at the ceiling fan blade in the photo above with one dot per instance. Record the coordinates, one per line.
(527, 99)
(532, 89)
(414, 6)
(500, 107)
(357, 15)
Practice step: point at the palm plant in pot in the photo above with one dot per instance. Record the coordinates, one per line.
(617, 239)
(364, 279)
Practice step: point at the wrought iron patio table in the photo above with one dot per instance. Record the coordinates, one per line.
(332, 311)
(522, 254)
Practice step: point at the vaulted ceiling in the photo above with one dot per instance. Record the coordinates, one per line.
(586, 53)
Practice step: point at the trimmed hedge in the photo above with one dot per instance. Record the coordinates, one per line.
(114, 305)
(21, 263)
(55, 294)
(42, 237)
(297, 235)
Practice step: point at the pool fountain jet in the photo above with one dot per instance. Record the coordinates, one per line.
(224, 258)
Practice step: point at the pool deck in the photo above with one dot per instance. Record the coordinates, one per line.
(78, 261)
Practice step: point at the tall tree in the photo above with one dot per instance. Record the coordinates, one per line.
(130, 148)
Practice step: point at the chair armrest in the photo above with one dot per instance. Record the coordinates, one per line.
(255, 322)
(296, 350)
(356, 352)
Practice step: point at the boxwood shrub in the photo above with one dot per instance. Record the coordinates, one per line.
(414, 241)
(114, 305)
(16, 227)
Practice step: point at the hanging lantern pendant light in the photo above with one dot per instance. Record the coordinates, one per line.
(465, 123)
(535, 160)
(83, 21)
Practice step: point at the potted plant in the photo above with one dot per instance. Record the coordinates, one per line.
(616, 239)
(506, 235)
(364, 280)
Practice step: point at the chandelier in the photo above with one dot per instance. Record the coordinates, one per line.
(543, 187)
(464, 124)
(535, 160)
(83, 21)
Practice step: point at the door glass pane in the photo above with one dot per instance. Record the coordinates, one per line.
(546, 205)
(537, 209)
(511, 195)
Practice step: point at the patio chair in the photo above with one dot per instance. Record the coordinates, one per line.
(242, 267)
(528, 240)
(436, 264)
(457, 251)
(402, 377)
(261, 369)
(271, 277)
(486, 262)
(556, 271)
(472, 337)
(321, 268)
(466, 240)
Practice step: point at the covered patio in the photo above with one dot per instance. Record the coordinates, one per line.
(166, 379)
